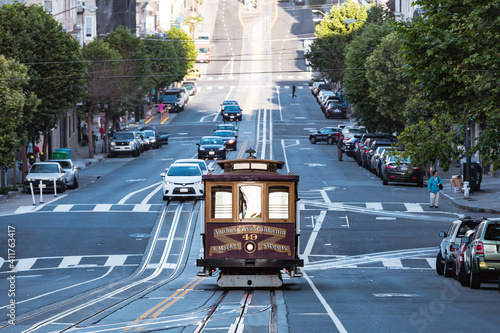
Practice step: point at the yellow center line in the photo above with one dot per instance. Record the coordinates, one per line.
(242, 149)
(157, 313)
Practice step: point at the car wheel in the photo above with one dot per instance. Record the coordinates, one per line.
(111, 154)
(313, 140)
(330, 141)
(359, 161)
(420, 183)
(462, 277)
(475, 280)
(75, 183)
(385, 181)
(63, 187)
(439, 264)
(454, 270)
(235, 148)
(447, 269)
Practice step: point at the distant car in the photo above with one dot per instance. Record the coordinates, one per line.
(482, 256)
(232, 113)
(156, 140)
(46, 173)
(401, 171)
(190, 87)
(300, 2)
(201, 163)
(211, 147)
(72, 172)
(228, 102)
(375, 156)
(182, 180)
(360, 145)
(446, 255)
(316, 88)
(204, 36)
(329, 135)
(125, 143)
(229, 138)
(227, 127)
(349, 131)
(335, 110)
(173, 103)
(192, 74)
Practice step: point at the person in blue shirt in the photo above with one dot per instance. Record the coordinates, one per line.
(434, 189)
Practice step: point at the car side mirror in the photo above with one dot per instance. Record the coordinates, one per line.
(442, 234)
(162, 174)
(465, 239)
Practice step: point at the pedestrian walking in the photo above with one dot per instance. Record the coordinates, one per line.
(435, 185)
(340, 145)
(294, 88)
(161, 107)
(85, 135)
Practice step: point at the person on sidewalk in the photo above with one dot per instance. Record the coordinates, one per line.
(434, 186)
(294, 89)
(340, 145)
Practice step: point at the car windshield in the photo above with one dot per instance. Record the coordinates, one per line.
(232, 108)
(184, 170)
(149, 133)
(211, 141)
(403, 160)
(44, 168)
(335, 105)
(224, 134)
(124, 136)
(64, 164)
(354, 130)
(228, 102)
(226, 128)
(492, 232)
(188, 85)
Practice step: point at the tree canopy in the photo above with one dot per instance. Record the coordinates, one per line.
(185, 50)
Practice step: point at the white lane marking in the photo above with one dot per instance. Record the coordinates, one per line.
(125, 198)
(63, 208)
(392, 262)
(396, 295)
(413, 207)
(279, 102)
(70, 261)
(102, 208)
(432, 262)
(165, 266)
(141, 208)
(314, 234)
(24, 264)
(374, 205)
(116, 260)
(346, 221)
(325, 196)
(150, 195)
(327, 307)
(385, 218)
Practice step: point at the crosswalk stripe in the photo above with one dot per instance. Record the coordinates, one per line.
(116, 260)
(102, 208)
(392, 262)
(63, 208)
(24, 264)
(70, 261)
(432, 262)
(374, 205)
(141, 208)
(413, 207)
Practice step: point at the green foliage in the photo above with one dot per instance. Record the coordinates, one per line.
(452, 55)
(185, 50)
(327, 52)
(32, 36)
(356, 82)
(13, 79)
(164, 61)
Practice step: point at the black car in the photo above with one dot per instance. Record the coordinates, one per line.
(211, 147)
(329, 135)
(350, 145)
(366, 136)
(335, 110)
(172, 102)
(401, 171)
(232, 113)
(229, 138)
(156, 139)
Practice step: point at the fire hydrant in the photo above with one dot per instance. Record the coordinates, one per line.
(466, 190)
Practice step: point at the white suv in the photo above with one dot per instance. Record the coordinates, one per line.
(446, 256)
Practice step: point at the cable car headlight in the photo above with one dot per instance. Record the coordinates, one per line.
(250, 247)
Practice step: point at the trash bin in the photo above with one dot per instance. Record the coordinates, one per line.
(476, 173)
(59, 155)
(63, 150)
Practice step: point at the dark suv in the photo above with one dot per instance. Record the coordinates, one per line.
(172, 101)
(329, 135)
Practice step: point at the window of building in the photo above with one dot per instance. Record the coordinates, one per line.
(88, 26)
(222, 202)
(279, 202)
(250, 202)
(48, 6)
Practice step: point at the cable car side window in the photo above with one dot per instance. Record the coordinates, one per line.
(250, 202)
(222, 202)
(279, 202)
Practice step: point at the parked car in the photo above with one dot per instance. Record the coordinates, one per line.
(322, 94)
(366, 136)
(229, 138)
(172, 103)
(329, 135)
(327, 99)
(482, 256)
(211, 147)
(144, 141)
(446, 255)
(201, 163)
(366, 154)
(349, 131)
(375, 155)
(315, 85)
(191, 87)
(321, 86)
(335, 110)
(459, 267)
(182, 180)
(71, 172)
(394, 170)
(156, 139)
(46, 173)
(125, 143)
(350, 146)
(232, 113)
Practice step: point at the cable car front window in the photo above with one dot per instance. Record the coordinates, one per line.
(222, 202)
(278, 202)
(250, 202)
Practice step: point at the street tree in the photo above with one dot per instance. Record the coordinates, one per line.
(32, 36)
(103, 67)
(333, 34)
(452, 55)
(13, 99)
(185, 50)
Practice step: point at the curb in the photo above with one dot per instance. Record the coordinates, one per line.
(11, 194)
(470, 208)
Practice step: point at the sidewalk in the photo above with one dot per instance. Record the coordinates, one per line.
(487, 200)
